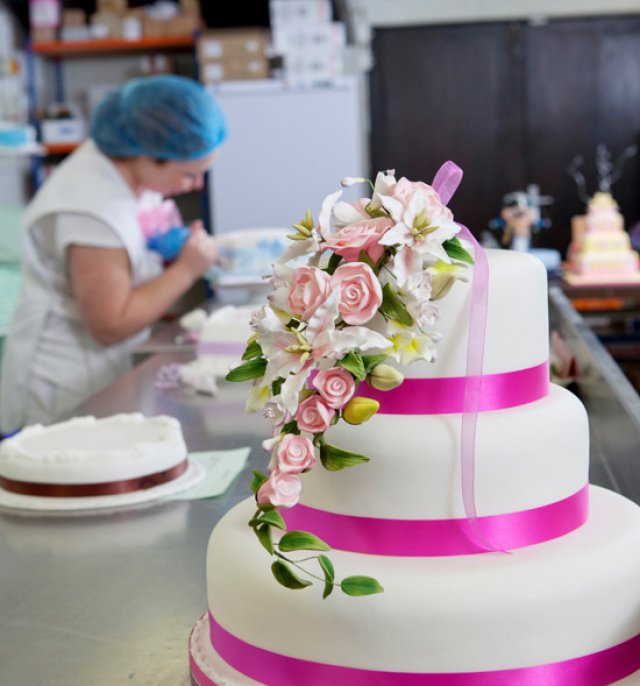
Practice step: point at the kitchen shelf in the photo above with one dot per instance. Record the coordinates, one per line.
(59, 148)
(110, 45)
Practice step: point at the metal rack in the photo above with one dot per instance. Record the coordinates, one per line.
(611, 401)
(58, 51)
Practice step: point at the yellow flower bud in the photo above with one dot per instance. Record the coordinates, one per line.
(441, 284)
(384, 377)
(359, 410)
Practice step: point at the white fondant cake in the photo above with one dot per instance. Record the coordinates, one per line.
(90, 452)
(221, 339)
(601, 251)
(538, 606)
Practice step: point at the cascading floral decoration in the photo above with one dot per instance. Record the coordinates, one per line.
(365, 296)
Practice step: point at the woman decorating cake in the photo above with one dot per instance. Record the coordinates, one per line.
(91, 287)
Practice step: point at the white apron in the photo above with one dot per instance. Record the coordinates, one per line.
(51, 363)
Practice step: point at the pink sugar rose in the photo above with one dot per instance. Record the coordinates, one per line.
(310, 288)
(405, 189)
(361, 235)
(314, 415)
(335, 385)
(295, 454)
(360, 292)
(279, 490)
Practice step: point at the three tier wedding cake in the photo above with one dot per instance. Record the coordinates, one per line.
(453, 492)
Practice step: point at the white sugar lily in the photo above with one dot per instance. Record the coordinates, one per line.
(408, 346)
(324, 218)
(334, 345)
(385, 181)
(289, 397)
(257, 397)
(268, 320)
(281, 284)
(346, 213)
(416, 230)
(286, 353)
(423, 311)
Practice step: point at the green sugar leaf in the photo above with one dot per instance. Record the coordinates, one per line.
(327, 567)
(252, 369)
(360, 585)
(393, 308)
(334, 263)
(364, 257)
(333, 459)
(285, 576)
(271, 518)
(329, 575)
(257, 480)
(454, 249)
(301, 540)
(252, 351)
(291, 428)
(371, 361)
(353, 363)
(264, 536)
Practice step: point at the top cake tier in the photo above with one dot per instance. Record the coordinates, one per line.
(517, 329)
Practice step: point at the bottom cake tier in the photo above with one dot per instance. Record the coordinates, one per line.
(568, 610)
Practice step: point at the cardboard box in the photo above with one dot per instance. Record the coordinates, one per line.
(183, 25)
(74, 18)
(59, 131)
(190, 7)
(329, 36)
(75, 34)
(154, 28)
(216, 45)
(117, 6)
(234, 68)
(106, 25)
(296, 12)
(43, 35)
(44, 14)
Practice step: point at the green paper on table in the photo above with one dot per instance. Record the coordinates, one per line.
(222, 467)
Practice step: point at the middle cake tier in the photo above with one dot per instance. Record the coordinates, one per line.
(526, 457)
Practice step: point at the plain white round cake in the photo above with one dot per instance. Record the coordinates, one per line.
(86, 450)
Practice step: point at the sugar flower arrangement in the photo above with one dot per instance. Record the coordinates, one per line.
(365, 297)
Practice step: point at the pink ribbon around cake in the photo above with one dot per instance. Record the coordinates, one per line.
(597, 669)
(441, 537)
(447, 395)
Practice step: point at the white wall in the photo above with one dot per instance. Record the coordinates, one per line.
(382, 13)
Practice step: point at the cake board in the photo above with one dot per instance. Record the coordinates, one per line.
(14, 501)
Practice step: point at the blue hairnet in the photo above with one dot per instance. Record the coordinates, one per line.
(165, 117)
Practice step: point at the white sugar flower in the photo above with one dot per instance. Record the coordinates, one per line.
(416, 230)
(408, 346)
(385, 182)
(352, 181)
(274, 413)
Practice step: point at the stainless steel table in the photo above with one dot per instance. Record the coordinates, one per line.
(109, 599)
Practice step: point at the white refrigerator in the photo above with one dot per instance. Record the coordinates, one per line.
(286, 150)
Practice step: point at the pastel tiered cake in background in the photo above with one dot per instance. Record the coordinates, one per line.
(542, 588)
(600, 251)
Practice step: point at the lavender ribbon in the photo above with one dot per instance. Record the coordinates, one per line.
(445, 183)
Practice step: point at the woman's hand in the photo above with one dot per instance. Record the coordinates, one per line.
(199, 252)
